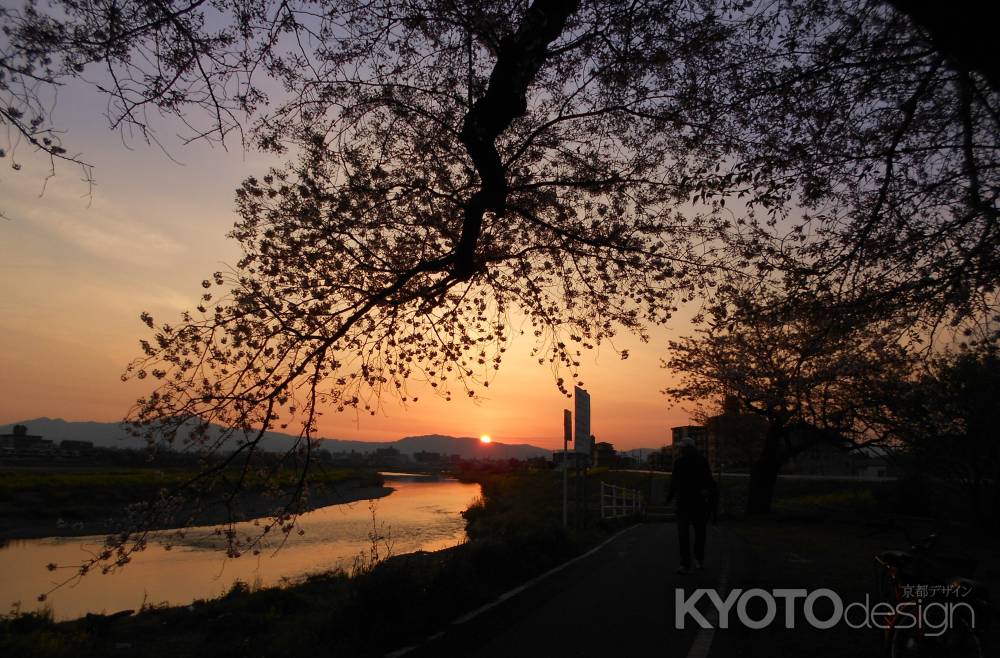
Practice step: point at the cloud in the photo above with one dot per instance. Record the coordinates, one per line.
(101, 230)
(107, 236)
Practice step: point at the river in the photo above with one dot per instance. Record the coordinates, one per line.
(420, 514)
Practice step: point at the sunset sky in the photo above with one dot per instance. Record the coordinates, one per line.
(76, 273)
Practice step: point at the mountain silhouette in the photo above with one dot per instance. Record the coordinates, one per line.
(114, 435)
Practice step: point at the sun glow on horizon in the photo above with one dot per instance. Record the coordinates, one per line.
(485, 438)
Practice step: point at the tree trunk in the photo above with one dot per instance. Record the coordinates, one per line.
(764, 475)
(995, 511)
(993, 486)
(963, 35)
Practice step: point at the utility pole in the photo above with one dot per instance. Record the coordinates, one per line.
(567, 435)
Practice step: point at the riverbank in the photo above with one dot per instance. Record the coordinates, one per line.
(372, 608)
(36, 503)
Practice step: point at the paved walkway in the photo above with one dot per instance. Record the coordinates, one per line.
(616, 603)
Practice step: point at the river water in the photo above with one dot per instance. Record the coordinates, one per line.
(420, 514)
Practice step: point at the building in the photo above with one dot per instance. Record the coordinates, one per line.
(427, 457)
(390, 457)
(735, 437)
(573, 459)
(828, 458)
(874, 468)
(20, 441)
(827, 453)
(872, 462)
(604, 454)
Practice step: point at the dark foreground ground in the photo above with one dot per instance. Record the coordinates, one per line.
(620, 599)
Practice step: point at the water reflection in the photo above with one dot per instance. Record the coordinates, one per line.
(421, 514)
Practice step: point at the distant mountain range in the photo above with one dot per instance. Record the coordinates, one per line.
(113, 435)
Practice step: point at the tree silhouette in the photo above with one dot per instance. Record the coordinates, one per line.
(885, 141)
(588, 165)
(942, 417)
(813, 366)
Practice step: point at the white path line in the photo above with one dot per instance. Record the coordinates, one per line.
(517, 590)
(510, 593)
(702, 643)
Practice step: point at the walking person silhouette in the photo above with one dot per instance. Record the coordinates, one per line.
(692, 484)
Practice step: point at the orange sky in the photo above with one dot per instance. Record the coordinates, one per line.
(75, 274)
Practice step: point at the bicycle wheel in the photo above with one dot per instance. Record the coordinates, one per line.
(885, 592)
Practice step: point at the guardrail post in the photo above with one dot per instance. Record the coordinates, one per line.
(619, 502)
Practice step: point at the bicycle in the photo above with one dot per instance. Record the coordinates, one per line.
(911, 581)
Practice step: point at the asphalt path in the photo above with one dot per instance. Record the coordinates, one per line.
(618, 601)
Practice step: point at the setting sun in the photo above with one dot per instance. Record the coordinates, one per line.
(485, 438)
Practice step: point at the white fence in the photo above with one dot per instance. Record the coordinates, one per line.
(619, 502)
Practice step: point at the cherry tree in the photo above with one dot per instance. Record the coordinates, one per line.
(813, 367)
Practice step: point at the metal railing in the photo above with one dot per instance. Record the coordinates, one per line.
(619, 502)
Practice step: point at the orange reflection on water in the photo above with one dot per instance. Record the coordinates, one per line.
(420, 514)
